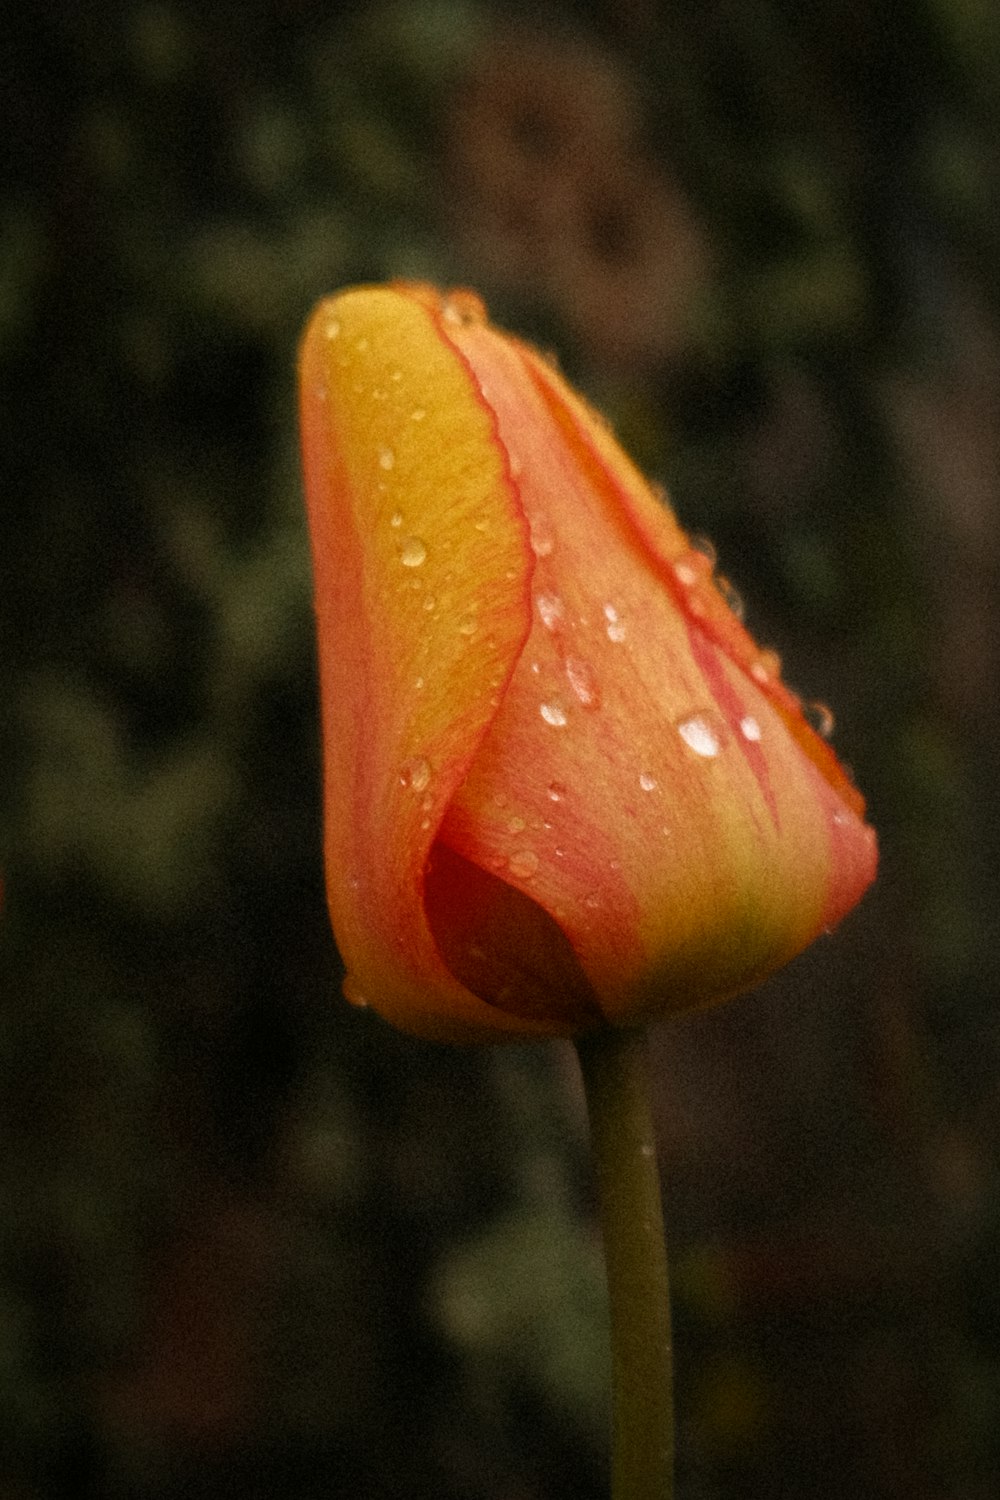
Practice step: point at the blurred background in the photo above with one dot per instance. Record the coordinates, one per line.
(254, 1243)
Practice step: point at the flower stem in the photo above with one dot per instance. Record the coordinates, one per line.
(616, 1081)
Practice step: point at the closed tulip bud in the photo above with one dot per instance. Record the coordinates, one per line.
(563, 786)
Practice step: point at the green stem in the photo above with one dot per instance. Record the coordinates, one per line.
(616, 1081)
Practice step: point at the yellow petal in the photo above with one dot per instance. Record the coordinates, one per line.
(421, 567)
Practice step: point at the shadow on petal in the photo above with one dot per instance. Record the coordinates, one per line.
(503, 946)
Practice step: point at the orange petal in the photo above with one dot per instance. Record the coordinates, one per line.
(647, 780)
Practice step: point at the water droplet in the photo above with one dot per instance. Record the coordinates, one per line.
(556, 791)
(386, 458)
(592, 901)
(768, 664)
(841, 818)
(582, 681)
(468, 626)
(523, 864)
(396, 519)
(699, 736)
(418, 683)
(415, 774)
(396, 376)
(483, 524)
(559, 852)
(685, 574)
(332, 329)
(553, 714)
(517, 825)
(749, 728)
(540, 529)
(418, 414)
(820, 718)
(413, 552)
(550, 608)
(461, 307)
(706, 547)
(731, 595)
(616, 630)
(430, 604)
(647, 782)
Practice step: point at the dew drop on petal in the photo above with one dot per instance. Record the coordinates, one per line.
(430, 604)
(550, 609)
(820, 718)
(396, 519)
(616, 630)
(699, 736)
(553, 713)
(523, 863)
(386, 458)
(540, 529)
(706, 547)
(517, 825)
(685, 574)
(418, 414)
(461, 307)
(415, 774)
(354, 995)
(767, 665)
(413, 552)
(556, 791)
(731, 595)
(583, 682)
(749, 728)
(647, 782)
(468, 626)
(332, 329)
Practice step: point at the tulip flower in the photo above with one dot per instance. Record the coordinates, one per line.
(564, 787)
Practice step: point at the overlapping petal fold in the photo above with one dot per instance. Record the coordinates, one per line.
(563, 784)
